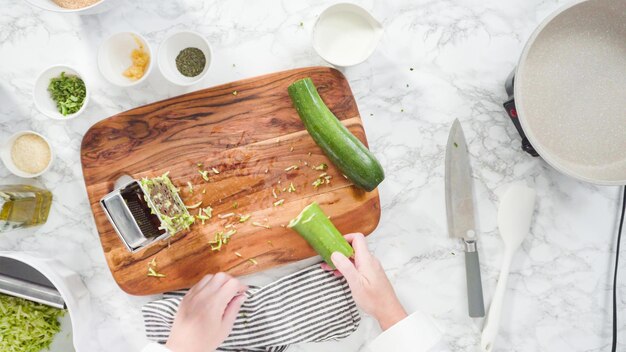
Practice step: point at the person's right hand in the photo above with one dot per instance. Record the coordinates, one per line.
(368, 282)
(206, 315)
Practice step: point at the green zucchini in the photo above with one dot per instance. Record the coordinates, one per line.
(320, 233)
(345, 150)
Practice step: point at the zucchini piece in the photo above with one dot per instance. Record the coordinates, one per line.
(315, 227)
(345, 150)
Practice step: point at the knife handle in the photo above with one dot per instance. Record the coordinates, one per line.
(475, 303)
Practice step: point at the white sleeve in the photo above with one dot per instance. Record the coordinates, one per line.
(417, 333)
(155, 347)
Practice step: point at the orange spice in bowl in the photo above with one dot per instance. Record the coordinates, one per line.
(141, 59)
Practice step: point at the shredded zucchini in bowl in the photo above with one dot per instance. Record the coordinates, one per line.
(27, 326)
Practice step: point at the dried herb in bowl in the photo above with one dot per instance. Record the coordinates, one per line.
(190, 62)
(68, 92)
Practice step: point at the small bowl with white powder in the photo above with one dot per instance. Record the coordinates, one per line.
(83, 7)
(26, 154)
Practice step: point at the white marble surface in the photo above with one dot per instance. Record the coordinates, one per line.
(438, 60)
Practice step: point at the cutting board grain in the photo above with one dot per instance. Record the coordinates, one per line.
(250, 133)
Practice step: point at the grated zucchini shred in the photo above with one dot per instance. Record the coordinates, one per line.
(258, 224)
(154, 273)
(194, 206)
(321, 167)
(190, 187)
(26, 326)
(164, 201)
(322, 179)
(292, 167)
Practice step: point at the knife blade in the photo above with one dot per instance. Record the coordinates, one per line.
(460, 213)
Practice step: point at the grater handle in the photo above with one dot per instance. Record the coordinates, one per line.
(123, 222)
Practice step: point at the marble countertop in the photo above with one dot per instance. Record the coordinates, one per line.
(437, 61)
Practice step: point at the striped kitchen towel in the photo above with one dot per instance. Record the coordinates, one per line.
(311, 305)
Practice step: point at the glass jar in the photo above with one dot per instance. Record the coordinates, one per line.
(23, 206)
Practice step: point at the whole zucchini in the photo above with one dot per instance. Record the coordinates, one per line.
(320, 233)
(345, 150)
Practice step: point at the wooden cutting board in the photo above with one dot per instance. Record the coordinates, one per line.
(250, 133)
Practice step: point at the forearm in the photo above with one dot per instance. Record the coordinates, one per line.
(391, 315)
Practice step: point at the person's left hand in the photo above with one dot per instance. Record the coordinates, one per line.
(207, 313)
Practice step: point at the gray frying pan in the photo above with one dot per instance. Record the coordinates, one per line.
(570, 90)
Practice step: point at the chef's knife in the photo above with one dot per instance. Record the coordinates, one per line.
(460, 210)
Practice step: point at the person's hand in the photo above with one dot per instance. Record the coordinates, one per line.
(368, 282)
(206, 315)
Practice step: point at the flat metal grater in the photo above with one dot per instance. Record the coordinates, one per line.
(142, 215)
(129, 208)
(20, 280)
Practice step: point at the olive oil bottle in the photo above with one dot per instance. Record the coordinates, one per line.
(23, 206)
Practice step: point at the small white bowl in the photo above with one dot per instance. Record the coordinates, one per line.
(43, 99)
(346, 34)
(172, 46)
(114, 57)
(5, 155)
(87, 10)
